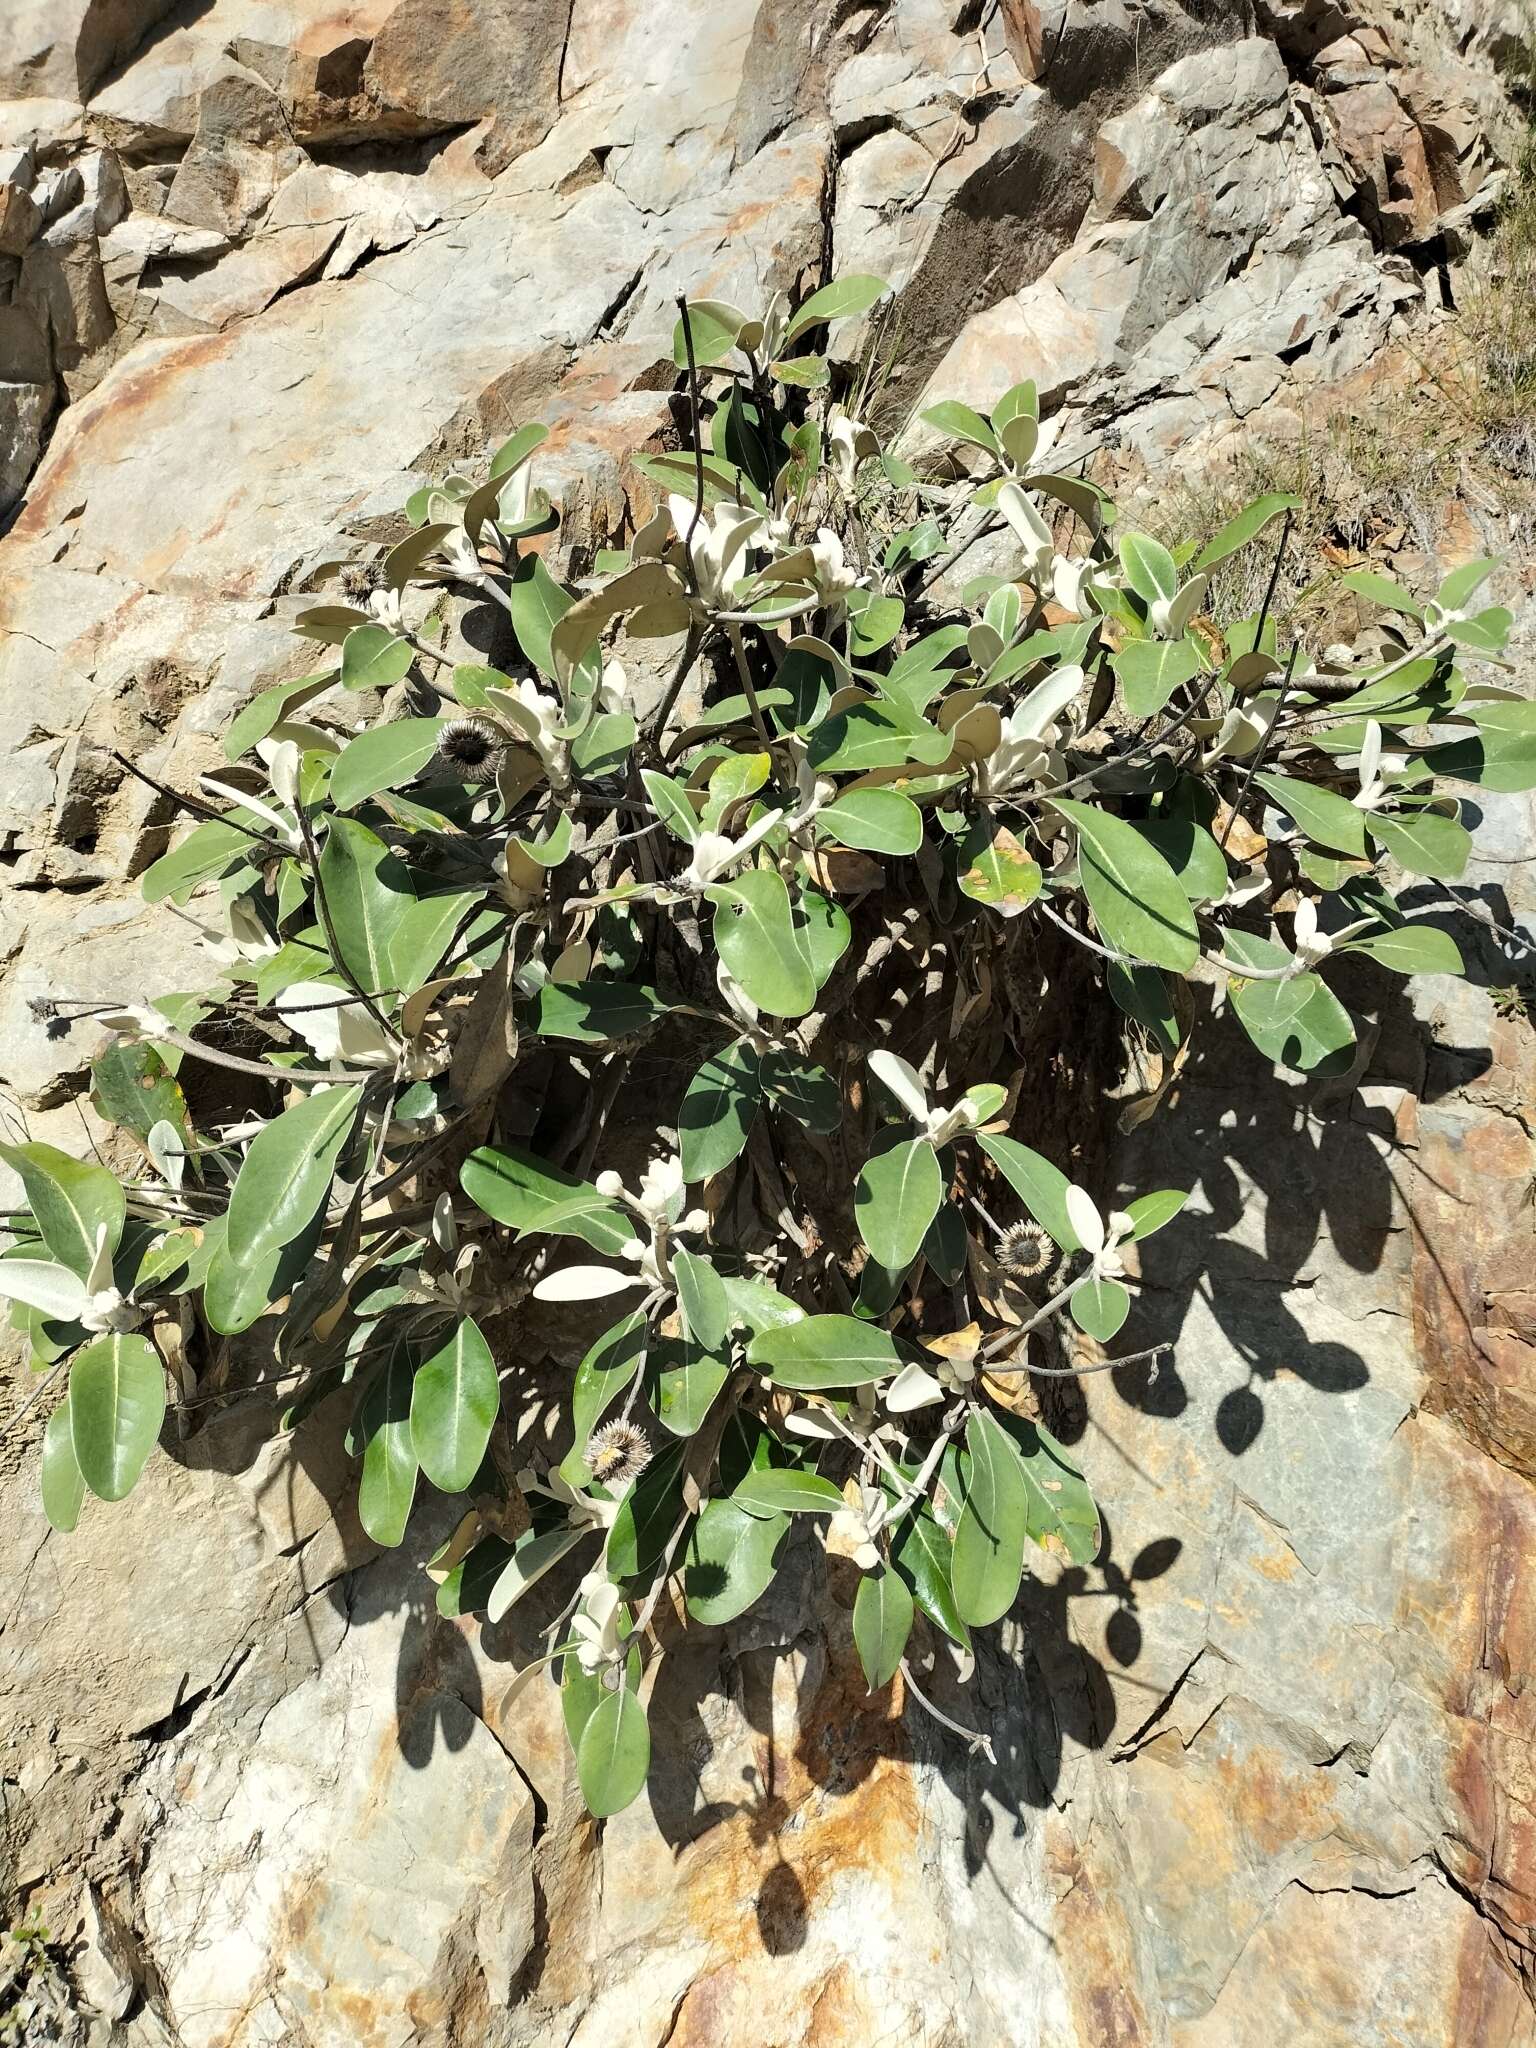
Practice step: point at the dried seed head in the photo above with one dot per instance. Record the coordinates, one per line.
(472, 748)
(1025, 1252)
(359, 580)
(617, 1453)
(44, 1009)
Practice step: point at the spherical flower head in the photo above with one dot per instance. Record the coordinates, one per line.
(1025, 1251)
(617, 1453)
(472, 748)
(609, 1184)
(661, 1188)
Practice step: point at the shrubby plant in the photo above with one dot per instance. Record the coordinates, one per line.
(537, 871)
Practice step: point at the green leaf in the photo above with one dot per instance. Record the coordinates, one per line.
(534, 1554)
(1383, 591)
(1100, 1308)
(116, 1408)
(1151, 1212)
(513, 453)
(382, 758)
(808, 373)
(614, 1756)
(374, 658)
(423, 930)
(924, 1556)
(63, 1483)
(701, 1295)
(593, 1012)
(995, 870)
(990, 1536)
(70, 1200)
(1411, 949)
(268, 708)
(822, 932)
(895, 1199)
(1464, 582)
(957, 420)
(685, 1393)
(527, 1194)
(646, 1517)
(875, 820)
(1060, 1508)
(921, 672)
(131, 1086)
(713, 325)
(603, 747)
(550, 851)
(367, 888)
(671, 803)
(580, 1693)
(537, 605)
(1142, 993)
(843, 299)
(946, 1244)
(731, 1556)
(454, 1400)
(1151, 670)
(1247, 526)
(717, 1109)
(389, 1450)
(1135, 896)
(1315, 1035)
(873, 624)
(207, 852)
(1191, 852)
(602, 1376)
(823, 1351)
(807, 1091)
(1039, 1185)
(1426, 844)
(1322, 814)
(755, 938)
(1487, 634)
(1149, 568)
(287, 1173)
(875, 735)
(1503, 754)
(882, 1622)
(778, 1490)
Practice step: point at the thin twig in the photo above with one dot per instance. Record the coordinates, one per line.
(1274, 578)
(733, 634)
(15, 1421)
(1077, 1372)
(303, 1077)
(198, 808)
(974, 1740)
(698, 445)
(1259, 751)
(692, 647)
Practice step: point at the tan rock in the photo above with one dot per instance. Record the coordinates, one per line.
(64, 47)
(445, 63)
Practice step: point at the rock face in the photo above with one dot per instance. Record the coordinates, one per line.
(1263, 1772)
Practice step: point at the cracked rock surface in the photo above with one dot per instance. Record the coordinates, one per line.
(1263, 1772)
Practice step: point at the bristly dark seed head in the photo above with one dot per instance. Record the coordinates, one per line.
(617, 1453)
(472, 748)
(359, 580)
(1025, 1252)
